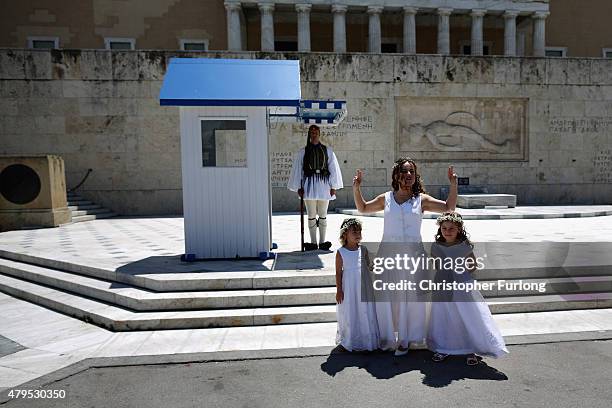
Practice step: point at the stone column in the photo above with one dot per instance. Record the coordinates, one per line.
(339, 12)
(374, 42)
(520, 43)
(539, 33)
(410, 30)
(267, 26)
(234, 37)
(510, 33)
(303, 11)
(477, 43)
(444, 30)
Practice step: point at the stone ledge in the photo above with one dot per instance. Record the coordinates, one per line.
(120, 319)
(150, 65)
(484, 200)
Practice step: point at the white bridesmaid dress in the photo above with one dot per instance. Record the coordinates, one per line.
(463, 325)
(357, 325)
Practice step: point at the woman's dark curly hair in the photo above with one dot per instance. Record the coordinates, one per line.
(417, 187)
(455, 218)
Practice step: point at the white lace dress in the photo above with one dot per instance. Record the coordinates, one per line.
(464, 325)
(357, 326)
(403, 315)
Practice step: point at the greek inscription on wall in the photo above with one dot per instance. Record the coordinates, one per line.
(579, 126)
(350, 125)
(292, 137)
(602, 166)
(280, 168)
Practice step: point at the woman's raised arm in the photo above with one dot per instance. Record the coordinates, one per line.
(363, 206)
(429, 203)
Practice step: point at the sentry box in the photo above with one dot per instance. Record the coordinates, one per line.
(225, 108)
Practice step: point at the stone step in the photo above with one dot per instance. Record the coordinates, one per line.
(120, 319)
(82, 202)
(524, 304)
(141, 299)
(159, 281)
(107, 214)
(84, 207)
(156, 280)
(90, 217)
(97, 211)
(81, 218)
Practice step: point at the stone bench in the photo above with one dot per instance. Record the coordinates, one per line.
(486, 200)
(479, 197)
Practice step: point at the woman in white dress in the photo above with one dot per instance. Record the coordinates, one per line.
(402, 320)
(315, 175)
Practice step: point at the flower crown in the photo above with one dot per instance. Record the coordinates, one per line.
(348, 223)
(452, 217)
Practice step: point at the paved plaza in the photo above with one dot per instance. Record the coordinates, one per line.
(35, 342)
(112, 243)
(569, 374)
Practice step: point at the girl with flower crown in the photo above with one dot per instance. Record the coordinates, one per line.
(461, 322)
(357, 325)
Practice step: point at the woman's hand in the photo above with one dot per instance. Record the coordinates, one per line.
(452, 176)
(357, 179)
(339, 296)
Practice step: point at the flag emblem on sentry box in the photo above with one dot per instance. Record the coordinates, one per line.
(322, 112)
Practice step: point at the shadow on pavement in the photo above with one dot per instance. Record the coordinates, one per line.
(173, 264)
(384, 365)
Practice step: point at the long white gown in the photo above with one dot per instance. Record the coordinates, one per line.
(463, 325)
(315, 189)
(357, 326)
(402, 314)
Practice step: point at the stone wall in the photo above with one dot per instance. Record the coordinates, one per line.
(100, 110)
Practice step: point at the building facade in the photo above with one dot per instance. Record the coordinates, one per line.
(505, 27)
(535, 126)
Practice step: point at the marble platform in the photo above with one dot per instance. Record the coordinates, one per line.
(485, 200)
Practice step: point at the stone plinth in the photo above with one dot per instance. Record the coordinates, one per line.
(484, 200)
(32, 192)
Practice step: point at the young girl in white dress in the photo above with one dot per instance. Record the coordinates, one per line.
(357, 324)
(461, 322)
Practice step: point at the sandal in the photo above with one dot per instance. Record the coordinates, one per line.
(437, 357)
(400, 351)
(472, 360)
